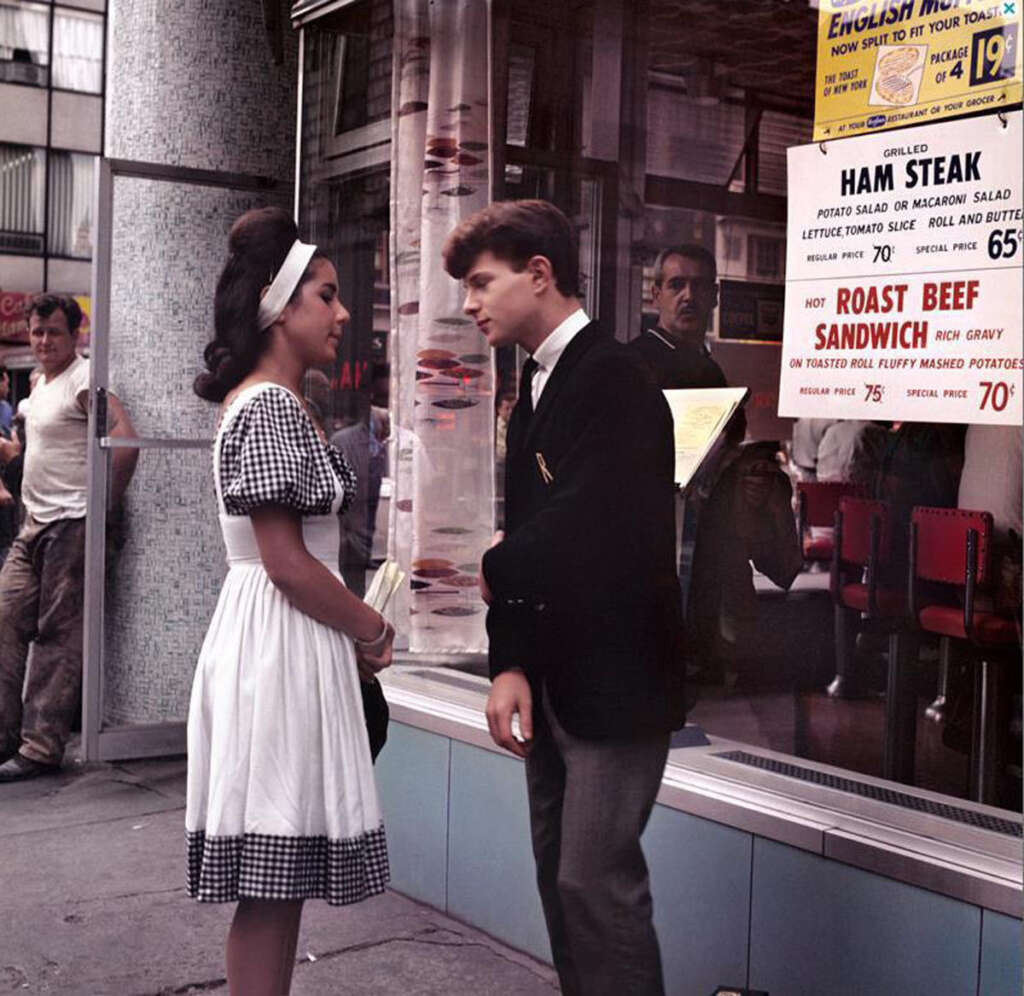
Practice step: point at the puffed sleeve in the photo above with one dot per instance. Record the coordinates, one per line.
(272, 455)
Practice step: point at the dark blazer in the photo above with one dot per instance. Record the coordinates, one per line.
(586, 598)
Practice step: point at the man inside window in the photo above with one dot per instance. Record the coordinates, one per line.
(42, 580)
(685, 292)
(737, 509)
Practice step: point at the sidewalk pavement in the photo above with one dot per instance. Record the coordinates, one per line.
(92, 893)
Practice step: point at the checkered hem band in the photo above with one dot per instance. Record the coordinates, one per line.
(263, 866)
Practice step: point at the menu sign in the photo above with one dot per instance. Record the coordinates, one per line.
(903, 276)
(889, 63)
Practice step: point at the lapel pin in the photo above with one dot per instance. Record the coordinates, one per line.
(545, 474)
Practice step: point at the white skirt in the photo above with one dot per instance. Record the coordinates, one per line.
(281, 797)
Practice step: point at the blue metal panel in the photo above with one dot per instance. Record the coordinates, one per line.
(1000, 955)
(412, 780)
(700, 880)
(491, 878)
(818, 926)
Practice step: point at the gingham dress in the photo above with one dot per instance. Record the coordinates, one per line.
(281, 798)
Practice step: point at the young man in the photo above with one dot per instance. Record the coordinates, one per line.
(42, 580)
(584, 618)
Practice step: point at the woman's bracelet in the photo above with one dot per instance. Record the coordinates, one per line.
(366, 645)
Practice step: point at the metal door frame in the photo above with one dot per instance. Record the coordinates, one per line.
(100, 743)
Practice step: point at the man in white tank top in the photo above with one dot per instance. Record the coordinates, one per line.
(42, 580)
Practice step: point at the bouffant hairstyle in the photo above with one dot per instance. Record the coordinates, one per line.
(514, 231)
(258, 243)
(45, 305)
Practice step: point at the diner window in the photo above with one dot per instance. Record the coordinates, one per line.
(548, 102)
(344, 208)
(778, 132)
(719, 121)
(77, 50)
(751, 259)
(767, 256)
(521, 66)
(775, 662)
(347, 83)
(718, 111)
(694, 132)
(71, 196)
(22, 198)
(24, 42)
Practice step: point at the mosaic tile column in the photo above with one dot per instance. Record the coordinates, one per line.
(190, 83)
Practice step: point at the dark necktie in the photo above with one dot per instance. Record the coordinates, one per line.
(526, 387)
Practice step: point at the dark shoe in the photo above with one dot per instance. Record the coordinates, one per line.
(18, 768)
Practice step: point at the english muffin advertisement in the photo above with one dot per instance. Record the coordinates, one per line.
(890, 63)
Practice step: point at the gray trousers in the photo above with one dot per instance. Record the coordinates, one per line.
(589, 803)
(41, 596)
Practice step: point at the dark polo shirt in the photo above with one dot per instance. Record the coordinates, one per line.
(677, 365)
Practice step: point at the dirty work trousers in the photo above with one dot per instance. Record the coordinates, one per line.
(41, 605)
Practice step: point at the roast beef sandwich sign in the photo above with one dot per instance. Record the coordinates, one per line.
(903, 276)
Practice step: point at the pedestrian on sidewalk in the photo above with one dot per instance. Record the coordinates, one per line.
(42, 580)
(282, 805)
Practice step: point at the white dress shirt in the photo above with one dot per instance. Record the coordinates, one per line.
(549, 351)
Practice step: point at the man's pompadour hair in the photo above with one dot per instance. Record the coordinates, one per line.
(515, 231)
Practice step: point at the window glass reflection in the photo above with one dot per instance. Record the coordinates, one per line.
(71, 197)
(692, 137)
(24, 42)
(77, 50)
(22, 197)
(778, 660)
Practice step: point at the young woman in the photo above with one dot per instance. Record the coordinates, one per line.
(281, 799)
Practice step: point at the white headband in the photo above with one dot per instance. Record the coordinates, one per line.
(281, 288)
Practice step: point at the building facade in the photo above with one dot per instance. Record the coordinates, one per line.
(52, 58)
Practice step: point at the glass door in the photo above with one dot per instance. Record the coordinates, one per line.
(153, 569)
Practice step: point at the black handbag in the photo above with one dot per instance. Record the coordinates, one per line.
(375, 709)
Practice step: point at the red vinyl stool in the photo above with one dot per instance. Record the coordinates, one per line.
(863, 548)
(817, 504)
(951, 547)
